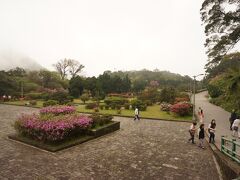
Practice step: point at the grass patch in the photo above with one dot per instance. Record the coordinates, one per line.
(153, 112)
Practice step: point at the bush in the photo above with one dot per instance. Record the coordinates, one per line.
(165, 107)
(182, 109)
(62, 97)
(107, 107)
(118, 107)
(34, 96)
(113, 106)
(96, 109)
(33, 103)
(119, 111)
(115, 100)
(139, 104)
(99, 120)
(91, 106)
(181, 99)
(126, 106)
(101, 106)
(148, 102)
(50, 103)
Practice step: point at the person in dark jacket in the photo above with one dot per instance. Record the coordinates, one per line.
(201, 136)
(232, 118)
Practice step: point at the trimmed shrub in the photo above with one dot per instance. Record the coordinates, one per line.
(50, 103)
(91, 106)
(107, 107)
(101, 106)
(126, 105)
(115, 100)
(181, 99)
(33, 103)
(100, 119)
(139, 104)
(182, 109)
(34, 96)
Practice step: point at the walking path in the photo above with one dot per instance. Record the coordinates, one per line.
(145, 149)
(212, 111)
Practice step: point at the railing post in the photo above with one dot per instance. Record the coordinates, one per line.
(222, 143)
(233, 147)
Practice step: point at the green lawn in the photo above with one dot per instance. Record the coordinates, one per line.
(152, 111)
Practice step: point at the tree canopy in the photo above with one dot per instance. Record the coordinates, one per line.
(222, 28)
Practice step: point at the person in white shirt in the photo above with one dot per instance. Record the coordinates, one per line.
(136, 113)
(235, 127)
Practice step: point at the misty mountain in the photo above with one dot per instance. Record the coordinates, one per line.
(10, 60)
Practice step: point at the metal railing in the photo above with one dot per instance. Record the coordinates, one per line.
(231, 148)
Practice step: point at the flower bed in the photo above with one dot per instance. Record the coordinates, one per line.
(59, 127)
(55, 129)
(58, 110)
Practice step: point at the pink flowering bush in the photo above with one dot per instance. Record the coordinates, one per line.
(58, 110)
(57, 128)
(182, 109)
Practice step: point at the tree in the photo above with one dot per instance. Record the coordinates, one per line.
(62, 67)
(74, 67)
(8, 85)
(76, 86)
(222, 28)
(84, 97)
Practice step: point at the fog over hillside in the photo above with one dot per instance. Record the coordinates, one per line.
(11, 59)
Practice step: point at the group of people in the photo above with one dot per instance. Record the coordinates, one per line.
(234, 124)
(201, 131)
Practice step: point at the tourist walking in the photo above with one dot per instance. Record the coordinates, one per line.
(201, 136)
(211, 130)
(136, 114)
(232, 118)
(200, 115)
(192, 131)
(235, 127)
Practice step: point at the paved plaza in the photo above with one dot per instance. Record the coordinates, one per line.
(148, 149)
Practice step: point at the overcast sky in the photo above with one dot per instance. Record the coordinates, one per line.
(107, 34)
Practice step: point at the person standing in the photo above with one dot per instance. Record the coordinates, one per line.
(136, 113)
(192, 131)
(211, 130)
(201, 136)
(200, 115)
(235, 127)
(232, 118)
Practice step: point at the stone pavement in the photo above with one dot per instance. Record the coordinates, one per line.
(148, 149)
(212, 111)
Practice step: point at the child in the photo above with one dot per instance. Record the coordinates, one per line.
(201, 136)
(192, 132)
(200, 115)
(211, 130)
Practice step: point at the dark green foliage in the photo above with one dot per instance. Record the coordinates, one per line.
(7, 84)
(222, 28)
(214, 90)
(115, 100)
(168, 95)
(61, 97)
(50, 103)
(99, 120)
(84, 97)
(126, 106)
(139, 104)
(34, 95)
(91, 106)
(33, 102)
(76, 86)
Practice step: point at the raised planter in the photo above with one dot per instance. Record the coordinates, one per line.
(54, 147)
(105, 129)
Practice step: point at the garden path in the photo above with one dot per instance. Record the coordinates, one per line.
(212, 111)
(147, 149)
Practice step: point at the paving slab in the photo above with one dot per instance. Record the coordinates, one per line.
(147, 149)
